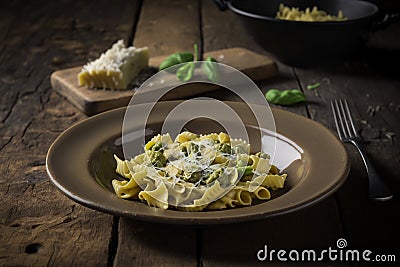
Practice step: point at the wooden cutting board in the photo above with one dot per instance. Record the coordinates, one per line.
(92, 101)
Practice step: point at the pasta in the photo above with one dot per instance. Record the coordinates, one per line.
(310, 15)
(197, 172)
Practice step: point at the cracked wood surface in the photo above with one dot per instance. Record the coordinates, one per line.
(41, 227)
(38, 225)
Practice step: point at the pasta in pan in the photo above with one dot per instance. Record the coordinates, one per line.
(311, 15)
(197, 172)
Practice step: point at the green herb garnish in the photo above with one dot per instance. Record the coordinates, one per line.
(285, 97)
(185, 72)
(210, 69)
(176, 58)
(246, 170)
(313, 86)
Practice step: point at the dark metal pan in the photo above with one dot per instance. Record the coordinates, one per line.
(307, 43)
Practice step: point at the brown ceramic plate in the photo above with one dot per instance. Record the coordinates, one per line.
(80, 164)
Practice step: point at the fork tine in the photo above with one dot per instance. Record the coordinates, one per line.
(336, 117)
(342, 115)
(346, 119)
(355, 133)
(341, 120)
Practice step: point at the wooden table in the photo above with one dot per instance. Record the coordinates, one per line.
(40, 226)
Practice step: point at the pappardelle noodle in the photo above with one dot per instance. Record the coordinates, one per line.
(310, 15)
(197, 172)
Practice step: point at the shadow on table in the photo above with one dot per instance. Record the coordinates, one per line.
(316, 227)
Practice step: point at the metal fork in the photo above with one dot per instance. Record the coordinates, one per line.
(347, 133)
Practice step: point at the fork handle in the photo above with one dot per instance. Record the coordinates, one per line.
(378, 190)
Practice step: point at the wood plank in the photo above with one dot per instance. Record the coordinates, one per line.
(161, 27)
(38, 225)
(367, 89)
(49, 229)
(238, 244)
(168, 26)
(361, 216)
(221, 29)
(218, 35)
(256, 66)
(150, 244)
(218, 248)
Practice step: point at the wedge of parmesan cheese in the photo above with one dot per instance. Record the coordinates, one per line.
(115, 68)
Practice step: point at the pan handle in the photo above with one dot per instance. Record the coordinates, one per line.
(221, 4)
(386, 20)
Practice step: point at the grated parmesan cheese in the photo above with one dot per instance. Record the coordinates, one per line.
(115, 68)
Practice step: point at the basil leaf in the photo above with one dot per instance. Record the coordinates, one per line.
(185, 72)
(285, 97)
(246, 170)
(211, 69)
(211, 59)
(196, 52)
(313, 86)
(175, 59)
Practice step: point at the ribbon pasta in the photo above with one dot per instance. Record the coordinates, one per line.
(309, 15)
(197, 172)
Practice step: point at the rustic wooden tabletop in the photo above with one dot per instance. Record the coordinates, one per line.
(39, 226)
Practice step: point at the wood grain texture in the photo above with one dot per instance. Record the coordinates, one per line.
(149, 244)
(165, 27)
(92, 101)
(38, 225)
(49, 230)
(89, 101)
(223, 29)
(374, 99)
(41, 227)
(238, 244)
(223, 247)
(168, 26)
(375, 116)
